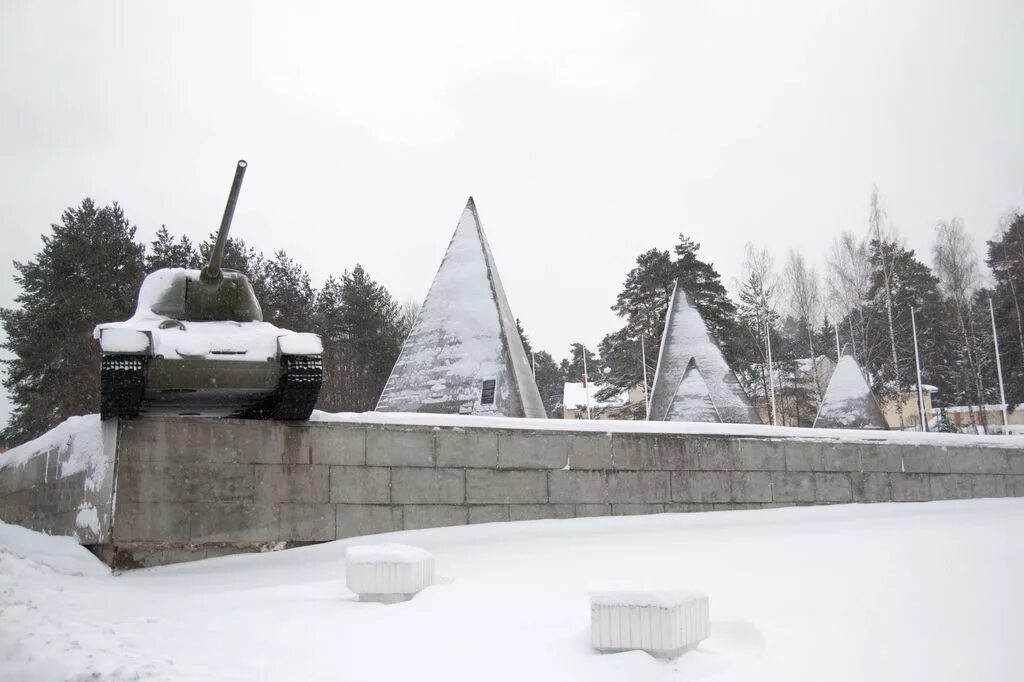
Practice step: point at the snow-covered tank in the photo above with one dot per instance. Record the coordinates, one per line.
(197, 345)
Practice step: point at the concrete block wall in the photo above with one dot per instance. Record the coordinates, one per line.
(189, 488)
(62, 482)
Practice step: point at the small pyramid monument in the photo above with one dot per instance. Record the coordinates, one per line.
(464, 354)
(693, 382)
(848, 402)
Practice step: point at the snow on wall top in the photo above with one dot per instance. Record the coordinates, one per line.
(848, 402)
(686, 338)
(465, 335)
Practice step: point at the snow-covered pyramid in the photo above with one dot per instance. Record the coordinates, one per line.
(464, 354)
(848, 402)
(693, 382)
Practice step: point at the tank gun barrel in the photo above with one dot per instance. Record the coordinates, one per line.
(212, 269)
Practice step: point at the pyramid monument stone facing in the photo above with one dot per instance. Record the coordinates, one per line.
(464, 354)
(848, 402)
(693, 382)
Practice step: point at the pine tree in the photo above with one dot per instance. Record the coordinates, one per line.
(88, 272)
(165, 252)
(550, 383)
(1006, 260)
(288, 299)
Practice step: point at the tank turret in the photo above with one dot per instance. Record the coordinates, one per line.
(198, 345)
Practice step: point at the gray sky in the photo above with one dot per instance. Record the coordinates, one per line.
(587, 131)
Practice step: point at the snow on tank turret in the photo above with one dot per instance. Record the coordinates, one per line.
(197, 345)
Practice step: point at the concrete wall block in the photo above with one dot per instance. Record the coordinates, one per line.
(583, 510)
(533, 450)
(577, 486)
(833, 488)
(488, 513)
(185, 482)
(949, 487)
(590, 451)
(881, 457)
(701, 486)
(466, 448)
(428, 486)
(713, 453)
(910, 487)
(16, 506)
(737, 506)
(1015, 460)
(240, 441)
(352, 520)
(871, 487)
(978, 460)
(676, 453)
(1015, 485)
(531, 512)
(360, 485)
(434, 515)
(506, 487)
(760, 455)
(840, 456)
(688, 507)
(291, 483)
(925, 460)
(337, 444)
(750, 486)
(301, 522)
(639, 486)
(234, 522)
(633, 509)
(151, 521)
(790, 486)
(805, 455)
(988, 485)
(639, 451)
(386, 446)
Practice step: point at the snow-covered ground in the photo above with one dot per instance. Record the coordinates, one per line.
(860, 592)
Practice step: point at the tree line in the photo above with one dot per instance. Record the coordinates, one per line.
(871, 284)
(91, 265)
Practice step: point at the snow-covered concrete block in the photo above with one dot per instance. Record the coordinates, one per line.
(388, 573)
(664, 623)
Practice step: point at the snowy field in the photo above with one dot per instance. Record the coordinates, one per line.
(859, 592)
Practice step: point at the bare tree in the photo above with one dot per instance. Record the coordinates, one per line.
(407, 313)
(956, 265)
(880, 233)
(849, 281)
(757, 309)
(801, 283)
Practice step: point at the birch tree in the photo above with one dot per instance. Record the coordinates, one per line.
(801, 283)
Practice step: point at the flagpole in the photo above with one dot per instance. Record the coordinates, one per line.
(771, 369)
(586, 383)
(643, 355)
(917, 362)
(839, 352)
(533, 363)
(999, 364)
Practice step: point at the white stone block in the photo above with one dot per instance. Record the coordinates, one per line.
(664, 623)
(388, 573)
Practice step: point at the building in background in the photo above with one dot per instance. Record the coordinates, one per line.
(624, 405)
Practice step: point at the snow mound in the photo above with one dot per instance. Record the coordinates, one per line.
(50, 552)
(84, 431)
(643, 596)
(390, 553)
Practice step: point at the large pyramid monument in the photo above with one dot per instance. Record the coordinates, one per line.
(464, 354)
(693, 382)
(848, 402)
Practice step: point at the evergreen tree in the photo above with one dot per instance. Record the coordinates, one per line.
(88, 272)
(550, 383)
(165, 252)
(644, 302)
(288, 299)
(1006, 259)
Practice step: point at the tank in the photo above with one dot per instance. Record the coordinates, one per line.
(197, 345)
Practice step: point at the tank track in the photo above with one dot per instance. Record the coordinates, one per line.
(296, 393)
(122, 385)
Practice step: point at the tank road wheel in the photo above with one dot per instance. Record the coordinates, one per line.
(299, 387)
(122, 385)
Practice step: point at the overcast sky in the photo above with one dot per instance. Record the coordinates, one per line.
(587, 131)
